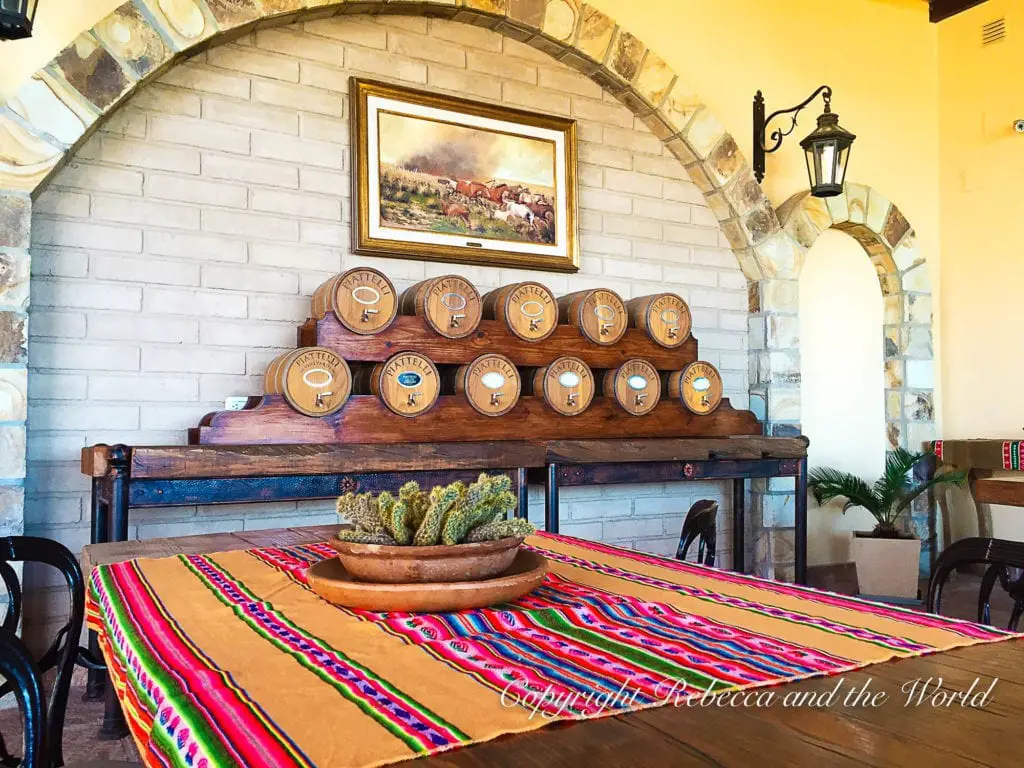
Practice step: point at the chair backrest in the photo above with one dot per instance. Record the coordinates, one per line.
(700, 525)
(64, 650)
(22, 674)
(999, 555)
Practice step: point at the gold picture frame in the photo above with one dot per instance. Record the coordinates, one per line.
(448, 179)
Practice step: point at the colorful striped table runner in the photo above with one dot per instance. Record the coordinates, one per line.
(230, 659)
(1012, 454)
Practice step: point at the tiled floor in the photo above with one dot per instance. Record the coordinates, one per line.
(84, 717)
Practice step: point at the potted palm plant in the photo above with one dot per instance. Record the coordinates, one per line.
(886, 557)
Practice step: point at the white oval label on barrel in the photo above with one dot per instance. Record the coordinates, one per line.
(531, 308)
(454, 301)
(702, 384)
(366, 295)
(318, 378)
(669, 316)
(637, 382)
(493, 380)
(569, 379)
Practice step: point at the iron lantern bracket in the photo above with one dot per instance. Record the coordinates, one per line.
(761, 139)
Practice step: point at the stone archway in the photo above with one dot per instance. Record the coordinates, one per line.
(64, 102)
(889, 241)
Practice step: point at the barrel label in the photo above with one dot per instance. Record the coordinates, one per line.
(493, 380)
(409, 379)
(637, 383)
(701, 387)
(569, 379)
(365, 300)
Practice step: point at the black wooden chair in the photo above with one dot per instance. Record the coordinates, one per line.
(64, 652)
(23, 680)
(1001, 556)
(700, 525)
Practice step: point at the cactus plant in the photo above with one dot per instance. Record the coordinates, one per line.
(441, 500)
(450, 514)
(357, 536)
(361, 511)
(500, 529)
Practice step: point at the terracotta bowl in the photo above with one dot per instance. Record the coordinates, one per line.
(384, 564)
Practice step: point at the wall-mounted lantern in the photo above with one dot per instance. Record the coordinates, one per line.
(827, 147)
(16, 18)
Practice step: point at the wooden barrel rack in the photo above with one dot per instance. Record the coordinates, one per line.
(462, 344)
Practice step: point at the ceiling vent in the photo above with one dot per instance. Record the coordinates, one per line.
(993, 31)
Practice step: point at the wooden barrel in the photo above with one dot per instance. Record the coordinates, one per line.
(450, 305)
(314, 381)
(664, 316)
(599, 314)
(407, 383)
(698, 386)
(635, 385)
(363, 300)
(491, 384)
(567, 385)
(528, 309)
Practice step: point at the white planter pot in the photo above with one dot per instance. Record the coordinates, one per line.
(886, 567)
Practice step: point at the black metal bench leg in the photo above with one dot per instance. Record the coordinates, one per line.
(100, 533)
(114, 725)
(551, 499)
(800, 533)
(739, 560)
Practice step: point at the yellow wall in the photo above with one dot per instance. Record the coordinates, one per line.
(57, 23)
(981, 162)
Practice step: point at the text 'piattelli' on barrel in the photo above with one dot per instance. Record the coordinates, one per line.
(528, 309)
(599, 314)
(407, 383)
(449, 304)
(314, 381)
(698, 386)
(567, 385)
(664, 316)
(363, 300)
(635, 385)
(491, 384)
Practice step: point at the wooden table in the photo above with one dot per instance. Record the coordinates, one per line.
(127, 477)
(889, 735)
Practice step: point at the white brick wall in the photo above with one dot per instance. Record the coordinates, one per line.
(175, 255)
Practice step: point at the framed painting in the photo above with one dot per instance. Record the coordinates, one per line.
(447, 179)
